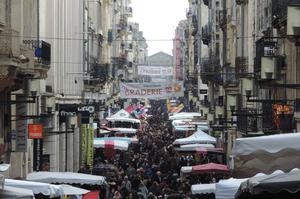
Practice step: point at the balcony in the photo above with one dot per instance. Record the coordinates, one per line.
(206, 34)
(222, 19)
(99, 75)
(241, 66)
(277, 118)
(128, 11)
(264, 47)
(19, 61)
(194, 25)
(240, 2)
(206, 2)
(192, 78)
(210, 71)
(121, 61)
(279, 12)
(229, 78)
(247, 120)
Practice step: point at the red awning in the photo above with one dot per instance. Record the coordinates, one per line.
(210, 168)
(91, 195)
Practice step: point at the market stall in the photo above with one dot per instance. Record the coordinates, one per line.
(226, 189)
(266, 154)
(50, 190)
(185, 115)
(85, 181)
(203, 191)
(199, 137)
(111, 144)
(203, 188)
(276, 185)
(16, 193)
(66, 178)
(206, 168)
(130, 140)
(73, 191)
(195, 147)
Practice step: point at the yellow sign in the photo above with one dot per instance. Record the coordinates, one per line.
(168, 104)
(83, 133)
(90, 147)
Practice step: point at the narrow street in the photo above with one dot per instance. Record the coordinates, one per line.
(148, 99)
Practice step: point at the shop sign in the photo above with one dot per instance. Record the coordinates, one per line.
(35, 131)
(21, 125)
(70, 110)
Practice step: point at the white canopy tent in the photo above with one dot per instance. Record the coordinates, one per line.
(70, 190)
(115, 144)
(66, 178)
(121, 114)
(199, 137)
(124, 119)
(194, 147)
(266, 154)
(187, 122)
(15, 193)
(4, 167)
(125, 130)
(203, 188)
(184, 115)
(226, 189)
(133, 140)
(36, 187)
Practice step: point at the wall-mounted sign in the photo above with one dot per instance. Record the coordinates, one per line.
(69, 110)
(203, 91)
(35, 131)
(21, 125)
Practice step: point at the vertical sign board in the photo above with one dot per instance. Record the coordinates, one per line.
(21, 125)
(35, 131)
(90, 147)
(37, 154)
(83, 145)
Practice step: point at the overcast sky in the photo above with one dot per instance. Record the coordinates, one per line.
(158, 20)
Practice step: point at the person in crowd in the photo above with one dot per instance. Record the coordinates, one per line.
(125, 186)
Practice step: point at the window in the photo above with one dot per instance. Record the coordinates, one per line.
(2, 13)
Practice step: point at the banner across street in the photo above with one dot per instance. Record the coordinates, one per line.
(151, 90)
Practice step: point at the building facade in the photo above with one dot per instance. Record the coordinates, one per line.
(251, 66)
(90, 48)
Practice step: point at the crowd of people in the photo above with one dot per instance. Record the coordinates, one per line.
(150, 168)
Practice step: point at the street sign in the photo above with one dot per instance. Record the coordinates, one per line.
(35, 131)
(203, 91)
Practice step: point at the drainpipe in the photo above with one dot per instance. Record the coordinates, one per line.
(38, 20)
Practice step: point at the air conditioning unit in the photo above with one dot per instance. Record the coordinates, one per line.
(268, 68)
(293, 22)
